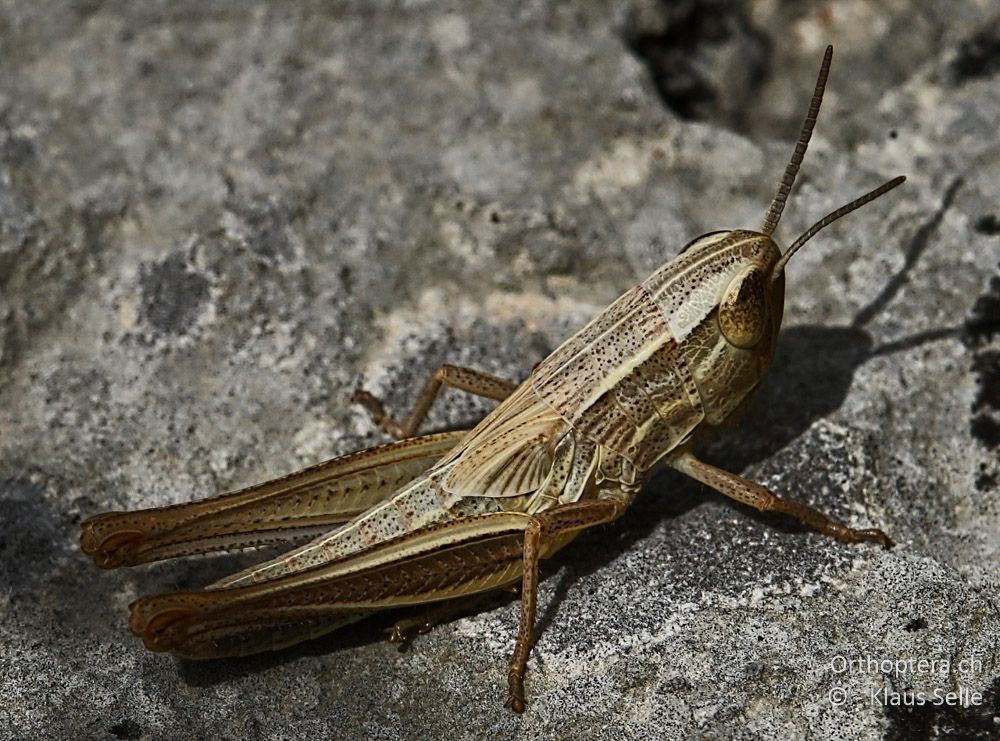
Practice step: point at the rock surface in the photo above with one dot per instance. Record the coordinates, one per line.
(217, 220)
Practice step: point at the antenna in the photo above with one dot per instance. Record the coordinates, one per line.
(830, 218)
(773, 214)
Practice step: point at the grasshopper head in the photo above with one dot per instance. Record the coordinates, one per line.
(729, 273)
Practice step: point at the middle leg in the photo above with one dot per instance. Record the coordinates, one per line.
(473, 381)
(543, 529)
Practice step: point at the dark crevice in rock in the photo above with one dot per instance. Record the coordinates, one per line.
(981, 325)
(986, 479)
(979, 56)
(127, 729)
(694, 56)
(984, 320)
(939, 720)
(988, 225)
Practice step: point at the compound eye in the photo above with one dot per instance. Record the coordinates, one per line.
(741, 311)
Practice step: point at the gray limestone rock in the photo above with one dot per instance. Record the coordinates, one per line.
(217, 220)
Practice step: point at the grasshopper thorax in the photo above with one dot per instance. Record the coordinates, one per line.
(723, 311)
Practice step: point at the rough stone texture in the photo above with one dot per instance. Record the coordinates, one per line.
(217, 220)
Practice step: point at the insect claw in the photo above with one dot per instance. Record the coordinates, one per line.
(395, 634)
(874, 535)
(865, 535)
(515, 691)
(515, 702)
(403, 630)
(370, 403)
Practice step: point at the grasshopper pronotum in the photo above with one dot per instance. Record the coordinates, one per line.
(438, 518)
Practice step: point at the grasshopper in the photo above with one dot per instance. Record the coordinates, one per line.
(441, 518)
